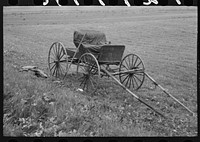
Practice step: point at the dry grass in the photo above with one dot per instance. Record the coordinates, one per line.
(164, 37)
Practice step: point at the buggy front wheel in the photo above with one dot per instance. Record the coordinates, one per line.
(57, 60)
(88, 72)
(135, 78)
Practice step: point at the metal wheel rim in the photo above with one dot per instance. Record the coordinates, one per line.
(57, 60)
(132, 81)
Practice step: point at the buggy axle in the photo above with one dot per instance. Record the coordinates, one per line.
(129, 72)
(133, 71)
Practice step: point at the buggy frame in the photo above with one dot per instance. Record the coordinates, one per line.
(91, 65)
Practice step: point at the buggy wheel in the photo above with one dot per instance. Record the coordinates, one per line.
(132, 80)
(88, 72)
(57, 60)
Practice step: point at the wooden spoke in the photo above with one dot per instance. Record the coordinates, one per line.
(139, 63)
(131, 62)
(125, 79)
(52, 62)
(54, 72)
(135, 62)
(87, 69)
(54, 50)
(133, 58)
(52, 66)
(62, 68)
(92, 83)
(123, 74)
(137, 78)
(57, 56)
(132, 82)
(125, 67)
(135, 81)
(53, 58)
(126, 63)
(129, 82)
(56, 46)
(82, 79)
(53, 54)
(83, 69)
(59, 51)
(59, 70)
(61, 56)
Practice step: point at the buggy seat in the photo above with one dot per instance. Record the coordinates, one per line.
(95, 42)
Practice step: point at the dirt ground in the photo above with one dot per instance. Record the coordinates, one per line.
(164, 37)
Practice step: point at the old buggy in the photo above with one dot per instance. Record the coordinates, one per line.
(95, 58)
(93, 55)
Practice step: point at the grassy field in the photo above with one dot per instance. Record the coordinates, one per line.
(164, 37)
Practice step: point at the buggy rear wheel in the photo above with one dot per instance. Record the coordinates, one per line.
(57, 60)
(135, 78)
(88, 72)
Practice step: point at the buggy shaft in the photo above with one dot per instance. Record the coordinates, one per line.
(139, 99)
(74, 55)
(165, 91)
